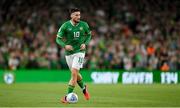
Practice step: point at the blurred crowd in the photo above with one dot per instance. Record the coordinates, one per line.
(126, 34)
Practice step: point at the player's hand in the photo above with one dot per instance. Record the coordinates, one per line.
(83, 46)
(68, 48)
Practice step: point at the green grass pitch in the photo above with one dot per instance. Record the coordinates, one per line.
(102, 95)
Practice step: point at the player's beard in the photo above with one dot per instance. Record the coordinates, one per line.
(77, 21)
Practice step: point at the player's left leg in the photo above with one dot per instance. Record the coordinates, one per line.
(83, 87)
(80, 81)
(79, 58)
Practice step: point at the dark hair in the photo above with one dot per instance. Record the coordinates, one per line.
(74, 10)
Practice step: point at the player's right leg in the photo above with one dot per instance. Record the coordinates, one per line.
(72, 83)
(83, 87)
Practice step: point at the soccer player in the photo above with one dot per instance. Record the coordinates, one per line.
(74, 35)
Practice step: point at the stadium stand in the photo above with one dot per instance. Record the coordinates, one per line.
(133, 34)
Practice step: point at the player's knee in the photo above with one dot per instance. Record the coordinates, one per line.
(75, 70)
(74, 76)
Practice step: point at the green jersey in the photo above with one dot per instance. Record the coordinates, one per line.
(74, 35)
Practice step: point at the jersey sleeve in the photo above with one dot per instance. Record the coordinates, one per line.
(88, 34)
(60, 35)
(61, 31)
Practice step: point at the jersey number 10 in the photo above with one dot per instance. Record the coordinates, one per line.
(76, 34)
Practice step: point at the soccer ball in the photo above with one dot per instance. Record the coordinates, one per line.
(72, 98)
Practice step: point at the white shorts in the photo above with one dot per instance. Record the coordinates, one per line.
(75, 60)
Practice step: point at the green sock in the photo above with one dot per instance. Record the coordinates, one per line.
(70, 88)
(81, 84)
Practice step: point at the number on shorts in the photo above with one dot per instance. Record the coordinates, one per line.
(80, 60)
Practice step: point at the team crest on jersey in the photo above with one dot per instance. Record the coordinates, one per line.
(81, 28)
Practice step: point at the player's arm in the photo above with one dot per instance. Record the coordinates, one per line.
(60, 35)
(88, 34)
